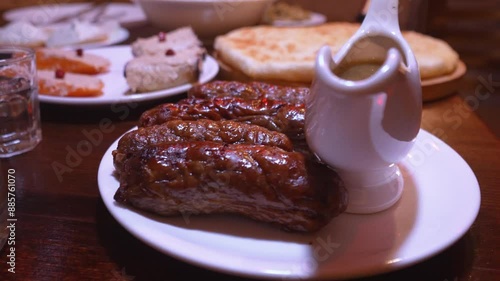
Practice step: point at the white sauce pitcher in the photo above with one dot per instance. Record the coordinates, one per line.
(363, 127)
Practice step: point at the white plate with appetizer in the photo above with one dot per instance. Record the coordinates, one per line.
(115, 87)
(74, 34)
(440, 202)
(127, 14)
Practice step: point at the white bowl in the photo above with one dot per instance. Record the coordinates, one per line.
(334, 10)
(208, 18)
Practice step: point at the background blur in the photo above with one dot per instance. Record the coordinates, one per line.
(472, 28)
(459, 22)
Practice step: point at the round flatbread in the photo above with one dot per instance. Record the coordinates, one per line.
(434, 56)
(288, 53)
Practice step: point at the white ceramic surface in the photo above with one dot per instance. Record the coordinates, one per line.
(207, 18)
(114, 37)
(334, 10)
(315, 19)
(126, 14)
(116, 89)
(364, 127)
(440, 202)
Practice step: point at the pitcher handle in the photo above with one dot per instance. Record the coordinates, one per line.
(382, 17)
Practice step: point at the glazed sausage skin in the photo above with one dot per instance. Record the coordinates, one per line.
(228, 132)
(260, 182)
(233, 148)
(274, 115)
(250, 91)
(224, 131)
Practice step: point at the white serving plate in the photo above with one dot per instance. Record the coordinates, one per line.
(126, 14)
(116, 89)
(440, 202)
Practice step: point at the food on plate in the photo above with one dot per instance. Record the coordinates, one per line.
(274, 115)
(70, 73)
(285, 11)
(77, 61)
(57, 35)
(234, 151)
(261, 182)
(76, 32)
(251, 90)
(172, 68)
(177, 40)
(223, 131)
(228, 132)
(434, 56)
(165, 60)
(66, 84)
(271, 53)
(24, 34)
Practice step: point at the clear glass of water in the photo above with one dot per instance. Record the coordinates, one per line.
(20, 129)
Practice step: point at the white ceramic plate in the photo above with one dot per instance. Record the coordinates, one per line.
(116, 89)
(116, 36)
(126, 14)
(315, 19)
(440, 202)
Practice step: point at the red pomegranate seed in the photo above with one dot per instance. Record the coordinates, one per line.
(79, 52)
(60, 74)
(162, 36)
(169, 52)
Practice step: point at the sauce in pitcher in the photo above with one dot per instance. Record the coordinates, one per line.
(357, 71)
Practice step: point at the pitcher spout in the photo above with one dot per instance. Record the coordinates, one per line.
(357, 78)
(362, 119)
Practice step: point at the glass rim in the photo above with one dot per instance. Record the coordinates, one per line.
(30, 53)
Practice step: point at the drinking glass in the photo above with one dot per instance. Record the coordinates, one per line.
(20, 129)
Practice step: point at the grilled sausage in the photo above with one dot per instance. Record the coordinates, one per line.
(249, 91)
(260, 182)
(228, 132)
(274, 115)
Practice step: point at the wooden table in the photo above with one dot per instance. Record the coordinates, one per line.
(64, 231)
